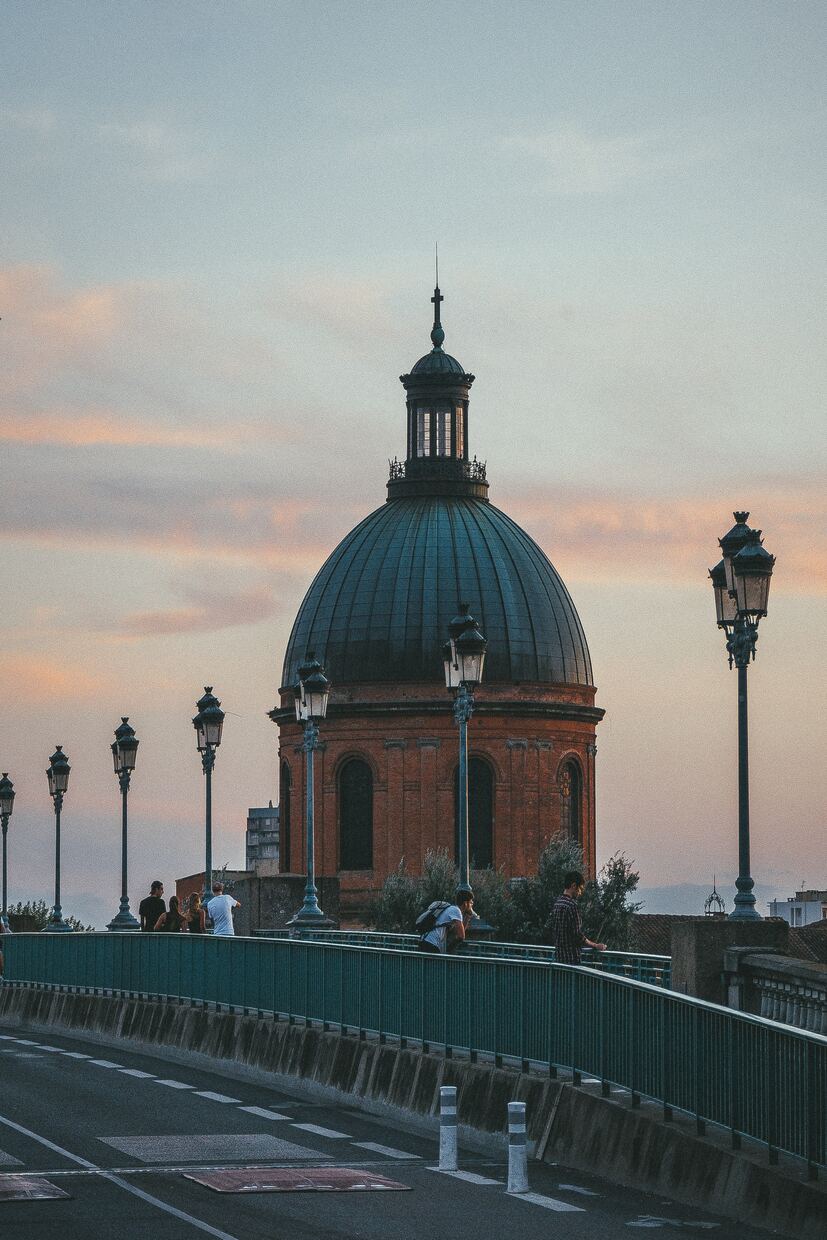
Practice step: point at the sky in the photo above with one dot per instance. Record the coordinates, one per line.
(218, 222)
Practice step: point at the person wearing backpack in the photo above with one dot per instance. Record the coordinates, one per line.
(442, 926)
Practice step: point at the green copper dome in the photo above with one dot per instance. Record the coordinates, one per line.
(379, 608)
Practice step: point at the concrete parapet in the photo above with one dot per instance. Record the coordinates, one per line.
(699, 943)
(565, 1124)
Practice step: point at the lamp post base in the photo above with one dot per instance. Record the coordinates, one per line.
(311, 919)
(58, 926)
(124, 920)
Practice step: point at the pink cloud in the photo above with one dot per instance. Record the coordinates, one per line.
(207, 612)
(33, 679)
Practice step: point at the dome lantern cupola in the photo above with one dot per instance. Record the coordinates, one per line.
(437, 460)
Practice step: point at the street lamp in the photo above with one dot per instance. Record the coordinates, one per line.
(463, 657)
(6, 807)
(741, 585)
(208, 724)
(124, 750)
(310, 696)
(58, 777)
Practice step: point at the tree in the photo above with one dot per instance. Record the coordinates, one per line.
(519, 909)
(34, 915)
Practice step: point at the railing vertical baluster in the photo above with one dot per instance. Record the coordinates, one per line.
(734, 1049)
(813, 1097)
(666, 1059)
(698, 1068)
(771, 1090)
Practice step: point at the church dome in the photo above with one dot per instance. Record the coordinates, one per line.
(380, 607)
(437, 362)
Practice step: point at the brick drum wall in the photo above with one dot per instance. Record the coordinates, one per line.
(525, 732)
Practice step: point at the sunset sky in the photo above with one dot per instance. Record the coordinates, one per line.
(217, 224)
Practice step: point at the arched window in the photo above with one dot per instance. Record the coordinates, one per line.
(284, 820)
(355, 816)
(480, 814)
(571, 800)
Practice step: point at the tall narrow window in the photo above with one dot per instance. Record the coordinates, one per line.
(423, 431)
(443, 430)
(459, 422)
(480, 814)
(355, 816)
(284, 820)
(571, 801)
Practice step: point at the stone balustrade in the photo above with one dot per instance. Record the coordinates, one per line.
(793, 992)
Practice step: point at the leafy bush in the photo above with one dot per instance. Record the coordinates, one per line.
(34, 915)
(519, 909)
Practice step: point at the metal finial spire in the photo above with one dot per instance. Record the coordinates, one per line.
(437, 334)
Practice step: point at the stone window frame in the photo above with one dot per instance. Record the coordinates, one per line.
(571, 758)
(355, 755)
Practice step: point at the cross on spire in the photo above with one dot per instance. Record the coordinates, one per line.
(437, 334)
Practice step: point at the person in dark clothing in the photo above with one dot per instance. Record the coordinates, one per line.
(196, 917)
(152, 906)
(565, 926)
(172, 921)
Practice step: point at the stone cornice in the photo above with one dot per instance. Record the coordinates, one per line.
(570, 711)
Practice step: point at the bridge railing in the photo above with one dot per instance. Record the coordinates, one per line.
(640, 967)
(758, 1079)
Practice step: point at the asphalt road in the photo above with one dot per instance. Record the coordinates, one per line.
(119, 1132)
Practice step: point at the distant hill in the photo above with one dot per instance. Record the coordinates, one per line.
(687, 899)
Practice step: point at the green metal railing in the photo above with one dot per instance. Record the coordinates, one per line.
(758, 1079)
(641, 968)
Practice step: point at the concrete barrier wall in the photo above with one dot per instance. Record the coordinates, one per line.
(566, 1125)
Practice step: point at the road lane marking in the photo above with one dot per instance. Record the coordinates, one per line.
(26, 1042)
(575, 1188)
(263, 1113)
(208, 1093)
(323, 1132)
(173, 1084)
(136, 1072)
(104, 1063)
(115, 1179)
(75, 1055)
(470, 1177)
(548, 1203)
(387, 1150)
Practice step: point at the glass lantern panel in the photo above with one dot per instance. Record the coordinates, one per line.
(460, 425)
(443, 431)
(423, 431)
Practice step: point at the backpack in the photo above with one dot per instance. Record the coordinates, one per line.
(426, 921)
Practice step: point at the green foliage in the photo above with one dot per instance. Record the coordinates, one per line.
(34, 915)
(519, 908)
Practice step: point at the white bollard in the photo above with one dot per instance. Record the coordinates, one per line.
(517, 1157)
(447, 1128)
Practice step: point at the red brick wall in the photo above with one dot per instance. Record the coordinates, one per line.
(411, 743)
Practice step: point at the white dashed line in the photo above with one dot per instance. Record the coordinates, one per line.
(75, 1055)
(136, 1072)
(174, 1084)
(208, 1093)
(548, 1203)
(55, 1050)
(263, 1113)
(104, 1063)
(26, 1042)
(323, 1132)
(470, 1177)
(575, 1188)
(387, 1150)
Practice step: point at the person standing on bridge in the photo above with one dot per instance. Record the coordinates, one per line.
(152, 906)
(565, 925)
(220, 909)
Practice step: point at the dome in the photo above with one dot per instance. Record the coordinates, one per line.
(379, 608)
(437, 362)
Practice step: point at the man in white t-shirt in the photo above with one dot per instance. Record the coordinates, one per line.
(450, 924)
(220, 909)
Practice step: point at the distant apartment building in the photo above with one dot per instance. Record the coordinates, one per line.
(262, 840)
(802, 909)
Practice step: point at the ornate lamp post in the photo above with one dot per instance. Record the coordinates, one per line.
(310, 696)
(463, 657)
(741, 584)
(58, 777)
(6, 807)
(124, 750)
(208, 724)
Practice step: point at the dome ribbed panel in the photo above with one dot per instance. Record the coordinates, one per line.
(380, 606)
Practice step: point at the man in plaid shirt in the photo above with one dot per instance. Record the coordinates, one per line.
(566, 930)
